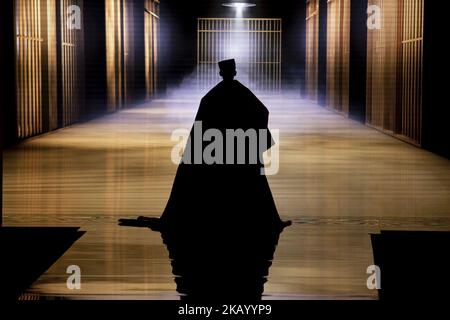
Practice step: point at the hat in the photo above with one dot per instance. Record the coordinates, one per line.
(227, 65)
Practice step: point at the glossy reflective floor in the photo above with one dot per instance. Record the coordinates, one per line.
(338, 181)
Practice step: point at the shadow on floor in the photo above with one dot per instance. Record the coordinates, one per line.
(26, 253)
(414, 265)
(221, 265)
(212, 262)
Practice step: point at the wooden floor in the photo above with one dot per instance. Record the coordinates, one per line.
(339, 181)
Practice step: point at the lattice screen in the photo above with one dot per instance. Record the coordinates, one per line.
(256, 44)
(394, 70)
(29, 67)
(412, 73)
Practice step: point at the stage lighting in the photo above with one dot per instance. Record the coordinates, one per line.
(239, 5)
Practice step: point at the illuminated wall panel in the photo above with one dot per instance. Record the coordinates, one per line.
(29, 67)
(254, 43)
(52, 66)
(395, 70)
(338, 53)
(49, 68)
(382, 64)
(129, 59)
(412, 70)
(123, 49)
(71, 67)
(114, 56)
(312, 48)
(151, 46)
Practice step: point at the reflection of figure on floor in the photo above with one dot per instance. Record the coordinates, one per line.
(221, 224)
(217, 265)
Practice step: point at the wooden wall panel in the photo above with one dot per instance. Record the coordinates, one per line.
(129, 60)
(71, 67)
(152, 25)
(47, 59)
(122, 50)
(8, 120)
(52, 66)
(36, 67)
(114, 47)
(312, 48)
(412, 71)
(50, 62)
(338, 52)
(382, 64)
(28, 67)
(395, 70)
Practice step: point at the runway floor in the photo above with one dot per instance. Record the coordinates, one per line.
(338, 181)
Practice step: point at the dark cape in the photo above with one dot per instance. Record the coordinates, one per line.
(224, 196)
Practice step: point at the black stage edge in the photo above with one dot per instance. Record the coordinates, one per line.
(414, 265)
(26, 253)
(283, 310)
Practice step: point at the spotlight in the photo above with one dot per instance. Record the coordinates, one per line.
(239, 5)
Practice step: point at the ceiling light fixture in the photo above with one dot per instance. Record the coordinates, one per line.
(239, 5)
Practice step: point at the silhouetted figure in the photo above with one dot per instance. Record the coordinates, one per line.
(224, 194)
(221, 225)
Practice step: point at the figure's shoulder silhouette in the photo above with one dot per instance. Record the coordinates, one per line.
(231, 102)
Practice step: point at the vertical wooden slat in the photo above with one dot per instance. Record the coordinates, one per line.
(27, 72)
(35, 22)
(23, 62)
(51, 69)
(261, 62)
(34, 63)
(17, 68)
(39, 58)
(37, 68)
(32, 71)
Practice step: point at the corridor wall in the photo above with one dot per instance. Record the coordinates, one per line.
(71, 62)
(132, 29)
(381, 76)
(312, 49)
(338, 55)
(316, 50)
(48, 67)
(64, 73)
(152, 27)
(7, 87)
(395, 70)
